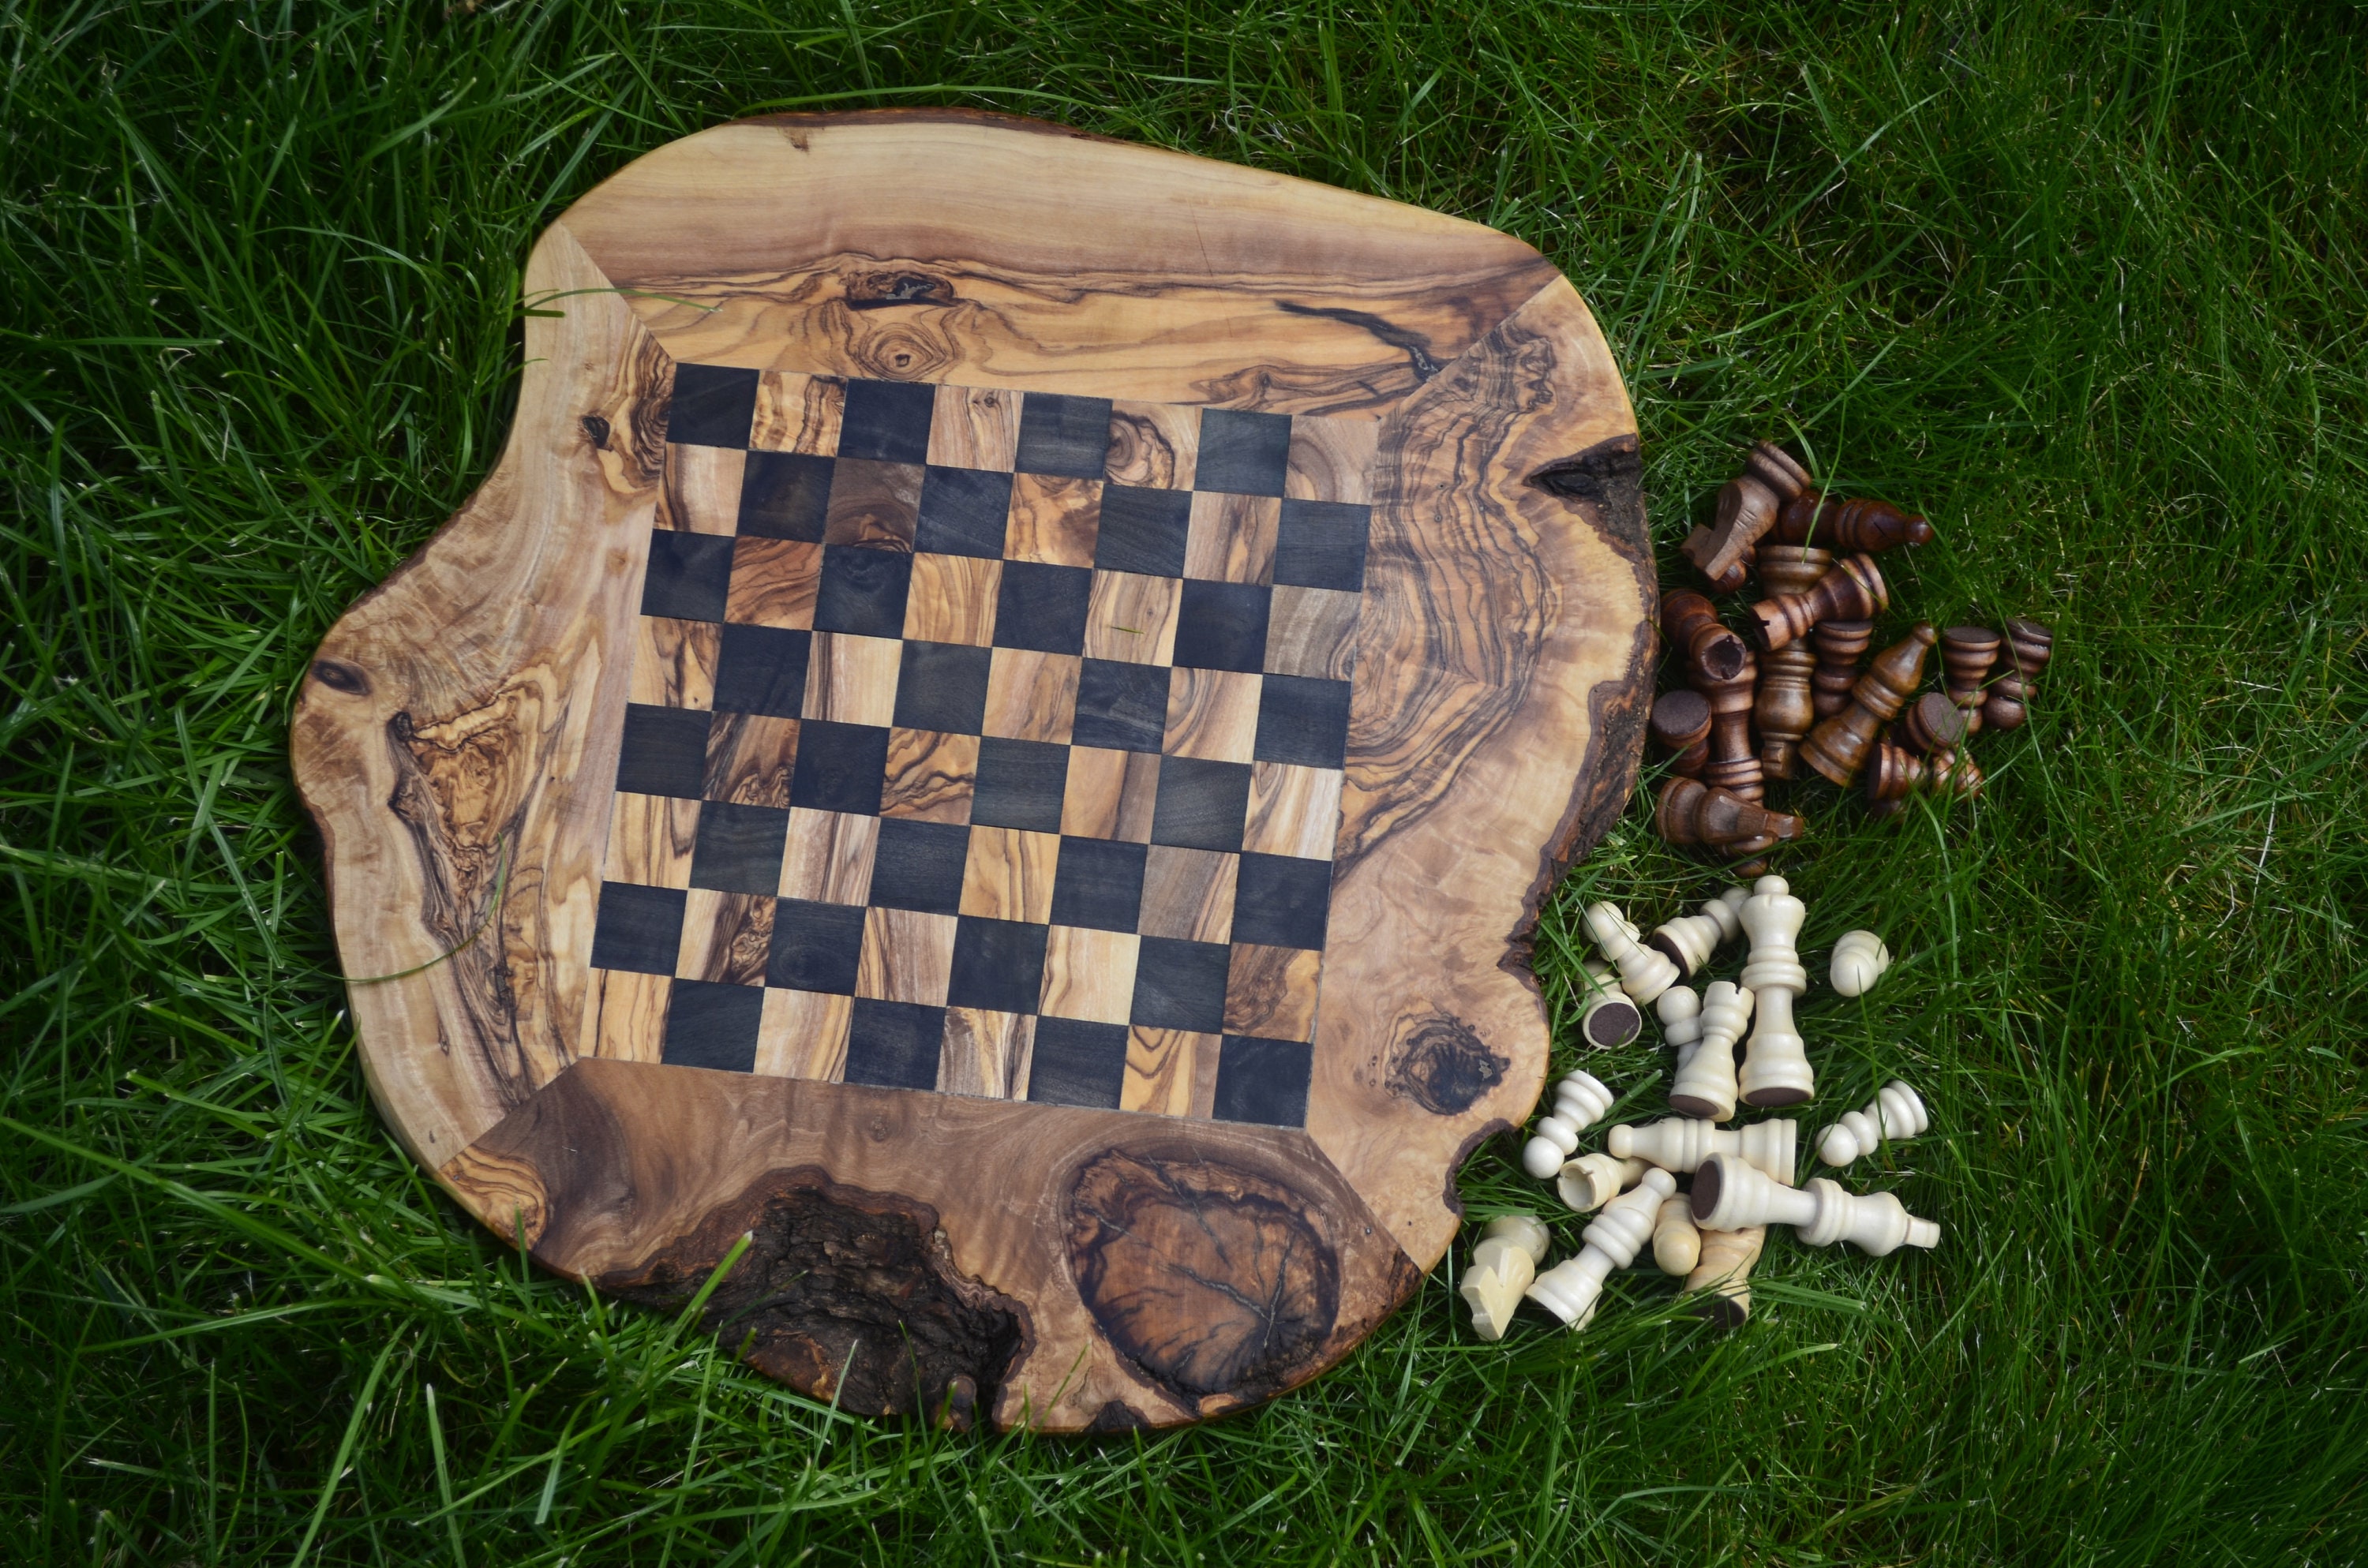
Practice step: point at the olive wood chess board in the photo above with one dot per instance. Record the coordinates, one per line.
(999, 729)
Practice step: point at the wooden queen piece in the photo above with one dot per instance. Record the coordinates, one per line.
(965, 613)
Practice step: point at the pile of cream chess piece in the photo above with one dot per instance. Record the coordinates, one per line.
(1742, 1178)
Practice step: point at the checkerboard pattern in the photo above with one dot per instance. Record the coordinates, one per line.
(988, 743)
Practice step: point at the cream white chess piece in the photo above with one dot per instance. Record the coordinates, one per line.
(1859, 958)
(1895, 1112)
(1775, 1069)
(1590, 1181)
(1691, 939)
(1676, 1241)
(1725, 1272)
(1571, 1288)
(1730, 1193)
(1611, 1018)
(1580, 1100)
(1680, 1014)
(1705, 1085)
(1644, 974)
(1680, 1144)
(1502, 1266)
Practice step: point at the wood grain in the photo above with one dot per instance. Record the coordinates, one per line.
(970, 1251)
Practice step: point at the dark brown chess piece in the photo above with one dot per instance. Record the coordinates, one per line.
(1859, 524)
(1734, 762)
(1680, 727)
(1966, 654)
(1692, 812)
(1853, 590)
(1711, 652)
(1840, 645)
(1747, 510)
(2029, 646)
(1895, 773)
(1838, 748)
(1784, 707)
(1932, 724)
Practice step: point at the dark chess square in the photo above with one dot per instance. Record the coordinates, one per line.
(863, 590)
(943, 686)
(1067, 435)
(1080, 1063)
(1043, 606)
(739, 847)
(665, 751)
(1144, 531)
(1264, 1081)
(816, 946)
(638, 929)
(713, 406)
(1099, 883)
(785, 495)
(998, 964)
(1303, 720)
(918, 865)
(1320, 544)
(894, 1044)
(690, 575)
(963, 512)
(1181, 985)
(1281, 901)
(841, 768)
(1020, 784)
(761, 669)
(1243, 453)
(714, 1026)
(886, 421)
(1221, 626)
(1203, 805)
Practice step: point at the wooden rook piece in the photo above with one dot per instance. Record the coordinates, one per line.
(1747, 510)
(1694, 814)
(1841, 644)
(2029, 646)
(965, 612)
(1967, 652)
(1680, 728)
(1838, 748)
(1869, 526)
(1784, 707)
(1722, 668)
(1853, 590)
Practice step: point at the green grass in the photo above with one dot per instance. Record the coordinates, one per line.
(2084, 285)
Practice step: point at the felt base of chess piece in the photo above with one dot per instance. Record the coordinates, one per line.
(1690, 812)
(1895, 1112)
(1747, 510)
(1839, 645)
(1967, 654)
(1855, 524)
(2029, 646)
(1853, 590)
(1723, 1273)
(1859, 958)
(1610, 1019)
(1838, 748)
(1680, 728)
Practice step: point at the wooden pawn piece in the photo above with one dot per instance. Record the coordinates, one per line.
(1747, 505)
(1644, 974)
(1855, 524)
(1705, 1086)
(1610, 1018)
(1932, 724)
(1895, 1112)
(1580, 1101)
(1859, 958)
(1967, 652)
(1730, 1194)
(1571, 1288)
(1853, 590)
(1691, 939)
(1725, 1272)
(1690, 812)
(1733, 764)
(1841, 644)
(1680, 1012)
(2029, 646)
(1784, 707)
(1775, 1069)
(1502, 1266)
(1680, 728)
(1897, 773)
(1838, 748)
(1676, 1242)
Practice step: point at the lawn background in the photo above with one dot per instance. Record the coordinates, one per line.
(2084, 285)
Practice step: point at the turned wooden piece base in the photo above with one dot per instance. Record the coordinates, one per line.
(940, 746)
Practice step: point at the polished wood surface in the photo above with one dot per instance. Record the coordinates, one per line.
(692, 776)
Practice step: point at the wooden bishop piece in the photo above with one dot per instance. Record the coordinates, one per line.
(1838, 748)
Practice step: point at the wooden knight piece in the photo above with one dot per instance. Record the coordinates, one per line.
(2029, 646)
(1860, 524)
(1853, 590)
(1967, 652)
(1838, 748)
(1747, 510)
(1785, 707)
(1841, 644)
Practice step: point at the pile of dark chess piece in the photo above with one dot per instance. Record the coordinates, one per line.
(1787, 693)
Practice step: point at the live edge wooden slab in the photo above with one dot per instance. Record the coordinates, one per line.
(1000, 729)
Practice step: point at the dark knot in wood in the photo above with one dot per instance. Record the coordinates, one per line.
(341, 677)
(846, 1294)
(596, 429)
(876, 290)
(1207, 1278)
(1442, 1064)
(1607, 474)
